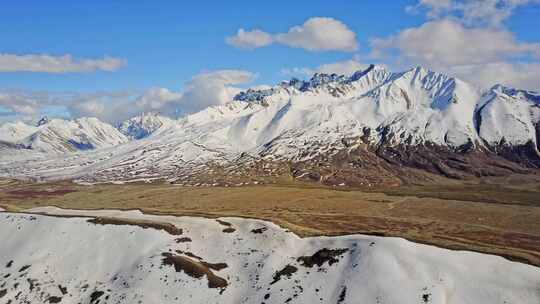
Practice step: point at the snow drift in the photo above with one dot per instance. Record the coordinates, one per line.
(129, 257)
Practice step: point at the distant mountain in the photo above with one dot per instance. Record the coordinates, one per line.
(143, 125)
(15, 131)
(60, 136)
(508, 116)
(374, 127)
(44, 120)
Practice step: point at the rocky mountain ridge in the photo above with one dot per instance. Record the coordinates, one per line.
(374, 126)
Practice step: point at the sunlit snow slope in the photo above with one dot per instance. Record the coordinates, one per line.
(136, 258)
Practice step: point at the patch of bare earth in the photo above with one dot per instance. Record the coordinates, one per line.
(196, 269)
(167, 227)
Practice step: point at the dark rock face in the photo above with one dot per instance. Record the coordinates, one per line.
(354, 162)
(394, 165)
(526, 155)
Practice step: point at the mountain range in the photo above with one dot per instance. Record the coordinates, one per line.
(373, 127)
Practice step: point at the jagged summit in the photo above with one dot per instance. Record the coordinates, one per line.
(318, 80)
(144, 125)
(15, 131)
(359, 74)
(44, 120)
(523, 94)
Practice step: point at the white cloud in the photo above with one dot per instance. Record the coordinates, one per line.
(19, 103)
(91, 107)
(517, 75)
(316, 34)
(57, 64)
(203, 90)
(320, 34)
(471, 12)
(445, 43)
(212, 88)
(484, 55)
(466, 38)
(250, 39)
(28, 105)
(107, 106)
(155, 99)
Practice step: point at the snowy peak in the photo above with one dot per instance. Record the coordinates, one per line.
(372, 111)
(144, 125)
(44, 120)
(337, 85)
(320, 80)
(509, 116)
(429, 88)
(414, 107)
(531, 96)
(15, 131)
(59, 136)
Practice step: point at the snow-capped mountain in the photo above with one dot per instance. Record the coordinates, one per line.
(43, 121)
(144, 125)
(108, 256)
(60, 136)
(15, 131)
(363, 129)
(509, 116)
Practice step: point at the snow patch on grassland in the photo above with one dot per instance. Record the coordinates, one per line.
(132, 258)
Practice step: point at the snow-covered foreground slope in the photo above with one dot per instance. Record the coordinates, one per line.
(138, 258)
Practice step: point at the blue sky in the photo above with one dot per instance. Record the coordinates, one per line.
(165, 44)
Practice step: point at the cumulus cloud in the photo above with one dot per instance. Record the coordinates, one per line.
(57, 64)
(471, 12)
(250, 39)
(203, 90)
(446, 42)
(468, 39)
(213, 88)
(157, 100)
(484, 55)
(20, 103)
(316, 34)
(107, 106)
(29, 105)
(517, 75)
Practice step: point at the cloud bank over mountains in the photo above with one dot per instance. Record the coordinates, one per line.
(203, 90)
(467, 39)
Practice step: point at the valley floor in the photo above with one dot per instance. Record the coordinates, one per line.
(496, 218)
